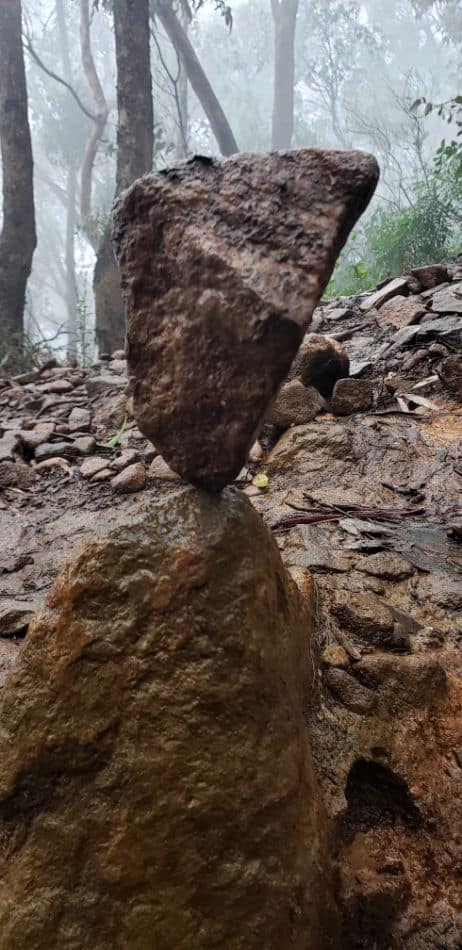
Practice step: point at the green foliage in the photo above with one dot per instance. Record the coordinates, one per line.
(117, 438)
(396, 240)
(451, 111)
(84, 333)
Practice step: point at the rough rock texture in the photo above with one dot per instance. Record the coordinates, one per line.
(222, 264)
(352, 395)
(320, 362)
(295, 404)
(156, 787)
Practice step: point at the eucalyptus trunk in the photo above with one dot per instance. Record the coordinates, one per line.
(135, 140)
(18, 235)
(285, 22)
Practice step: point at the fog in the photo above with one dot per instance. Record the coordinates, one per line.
(359, 69)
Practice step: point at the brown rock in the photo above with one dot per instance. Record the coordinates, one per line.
(130, 479)
(223, 263)
(320, 362)
(451, 373)
(16, 475)
(399, 285)
(124, 460)
(92, 466)
(79, 420)
(295, 404)
(32, 438)
(9, 445)
(448, 301)
(49, 464)
(85, 444)
(159, 469)
(352, 395)
(401, 311)
(387, 564)
(346, 689)
(50, 450)
(431, 275)
(15, 616)
(156, 787)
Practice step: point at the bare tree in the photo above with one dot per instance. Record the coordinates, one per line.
(99, 121)
(18, 236)
(197, 77)
(135, 139)
(285, 22)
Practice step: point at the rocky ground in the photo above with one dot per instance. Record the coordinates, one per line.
(362, 486)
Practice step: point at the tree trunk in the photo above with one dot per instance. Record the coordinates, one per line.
(285, 21)
(71, 292)
(135, 139)
(99, 124)
(182, 138)
(196, 75)
(18, 236)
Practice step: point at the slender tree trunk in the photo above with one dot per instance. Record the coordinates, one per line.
(18, 236)
(71, 294)
(135, 140)
(99, 124)
(285, 21)
(197, 77)
(182, 138)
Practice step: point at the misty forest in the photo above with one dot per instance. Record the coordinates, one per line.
(114, 90)
(230, 475)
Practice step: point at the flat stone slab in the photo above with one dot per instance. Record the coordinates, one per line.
(223, 264)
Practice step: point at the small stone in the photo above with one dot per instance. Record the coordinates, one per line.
(79, 420)
(118, 355)
(103, 475)
(131, 479)
(16, 475)
(335, 656)
(448, 301)
(363, 614)
(320, 362)
(352, 395)
(9, 444)
(58, 386)
(85, 445)
(15, 616)
(256, 452)
(159, 469)
(338, 313)
(400, 285)
(295, 404)
(431, 275)
(118, 366)
(31, 438)
(50, 449)
(450, 372)
(122, 461)
(208, 346)
(50, 464)
(413, 680)
(102, 384)
(347, 691)
(386, 564)
(401, 312)
(92, 466)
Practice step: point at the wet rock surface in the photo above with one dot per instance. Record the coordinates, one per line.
(370, 504)
(140, 805)
(222, 265)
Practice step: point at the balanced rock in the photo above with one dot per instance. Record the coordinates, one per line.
(295, 404)
(222, 264)
(156, 783)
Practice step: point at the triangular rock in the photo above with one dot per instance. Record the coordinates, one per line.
(222, 264)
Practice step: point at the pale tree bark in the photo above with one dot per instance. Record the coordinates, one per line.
(98, 126)
(135, 142)
(197, 77)
(71, 290)
(182, 139)
(285, 23)
(18, 236)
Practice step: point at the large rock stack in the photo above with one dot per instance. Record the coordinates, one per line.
(156, 787)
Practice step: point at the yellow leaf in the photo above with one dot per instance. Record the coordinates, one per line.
(260, 481)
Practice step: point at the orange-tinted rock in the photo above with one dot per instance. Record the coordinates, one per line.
(222, 264)
(156, 784)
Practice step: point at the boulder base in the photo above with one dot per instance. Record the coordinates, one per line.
(222, 264)
(156, 787)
